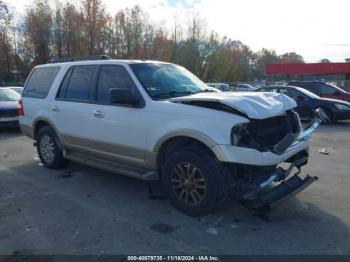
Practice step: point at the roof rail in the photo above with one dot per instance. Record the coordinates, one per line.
(78, 58)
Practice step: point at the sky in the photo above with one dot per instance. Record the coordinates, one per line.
(315, 29)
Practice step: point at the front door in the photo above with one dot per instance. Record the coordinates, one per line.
(117, 132)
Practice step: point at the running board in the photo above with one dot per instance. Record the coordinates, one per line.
(280, 193)
(142, 174)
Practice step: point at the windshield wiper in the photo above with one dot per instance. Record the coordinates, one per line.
(173, 94)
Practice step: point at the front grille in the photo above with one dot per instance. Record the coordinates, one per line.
(265, 134)
(9, 113)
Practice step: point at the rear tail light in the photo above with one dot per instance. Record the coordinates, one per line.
(20, 110)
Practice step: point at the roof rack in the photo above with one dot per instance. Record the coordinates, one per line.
(78, 58)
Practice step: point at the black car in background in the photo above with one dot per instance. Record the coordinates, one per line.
(8, 107)
(308, 102)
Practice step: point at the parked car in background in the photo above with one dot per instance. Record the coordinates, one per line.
(308, 102)
(244, 88)
(18, 89)
(221, 86)
(323, 89)
(8, 107)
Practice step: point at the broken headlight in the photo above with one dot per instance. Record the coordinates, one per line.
(237, 133)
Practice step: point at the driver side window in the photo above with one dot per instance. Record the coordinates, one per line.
(112, 77)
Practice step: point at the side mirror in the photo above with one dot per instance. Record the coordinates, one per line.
(124, 96)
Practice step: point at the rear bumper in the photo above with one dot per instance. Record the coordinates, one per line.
(9, 122)
(9, 119)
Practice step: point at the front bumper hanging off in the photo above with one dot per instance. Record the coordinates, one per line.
(266, 197)
(285, 190)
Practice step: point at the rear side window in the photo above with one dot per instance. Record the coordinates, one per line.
(63, 89)
(77, 83)
(112, 77)
(40, 81)
(326, 89)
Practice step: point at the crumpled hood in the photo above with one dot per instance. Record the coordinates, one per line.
(256, 105)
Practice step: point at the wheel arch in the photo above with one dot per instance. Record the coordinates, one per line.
(171, 143)
(40, 123)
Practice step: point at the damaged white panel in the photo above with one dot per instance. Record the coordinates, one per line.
(256, 105)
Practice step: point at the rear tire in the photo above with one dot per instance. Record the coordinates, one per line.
(194, 181)
(48, 149)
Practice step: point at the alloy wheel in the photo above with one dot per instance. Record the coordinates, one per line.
(188, 183)
(47, 148)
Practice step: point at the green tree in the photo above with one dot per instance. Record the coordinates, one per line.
(219, 67)
(263, 58)
(242, 61)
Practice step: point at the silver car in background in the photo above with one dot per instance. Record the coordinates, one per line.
(244, 88)
(221, 86)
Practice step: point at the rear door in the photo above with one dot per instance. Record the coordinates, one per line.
(116, 132)
(72, 106)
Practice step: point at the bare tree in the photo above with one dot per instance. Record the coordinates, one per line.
(5, 42)
(94, 22)
(72, 24)
(72, 30)
(38, 29)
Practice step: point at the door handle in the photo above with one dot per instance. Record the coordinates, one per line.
(55, 108)
(98, 114)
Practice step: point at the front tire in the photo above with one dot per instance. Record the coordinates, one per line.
(49, 150)
(329, 117)
(194, 181)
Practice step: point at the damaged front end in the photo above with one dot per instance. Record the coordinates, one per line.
(262, 187)
(272, 137)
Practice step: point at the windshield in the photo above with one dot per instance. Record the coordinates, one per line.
(168, 80)
(9, 95)
(307, 92)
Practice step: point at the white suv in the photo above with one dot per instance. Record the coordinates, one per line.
(158, 122)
